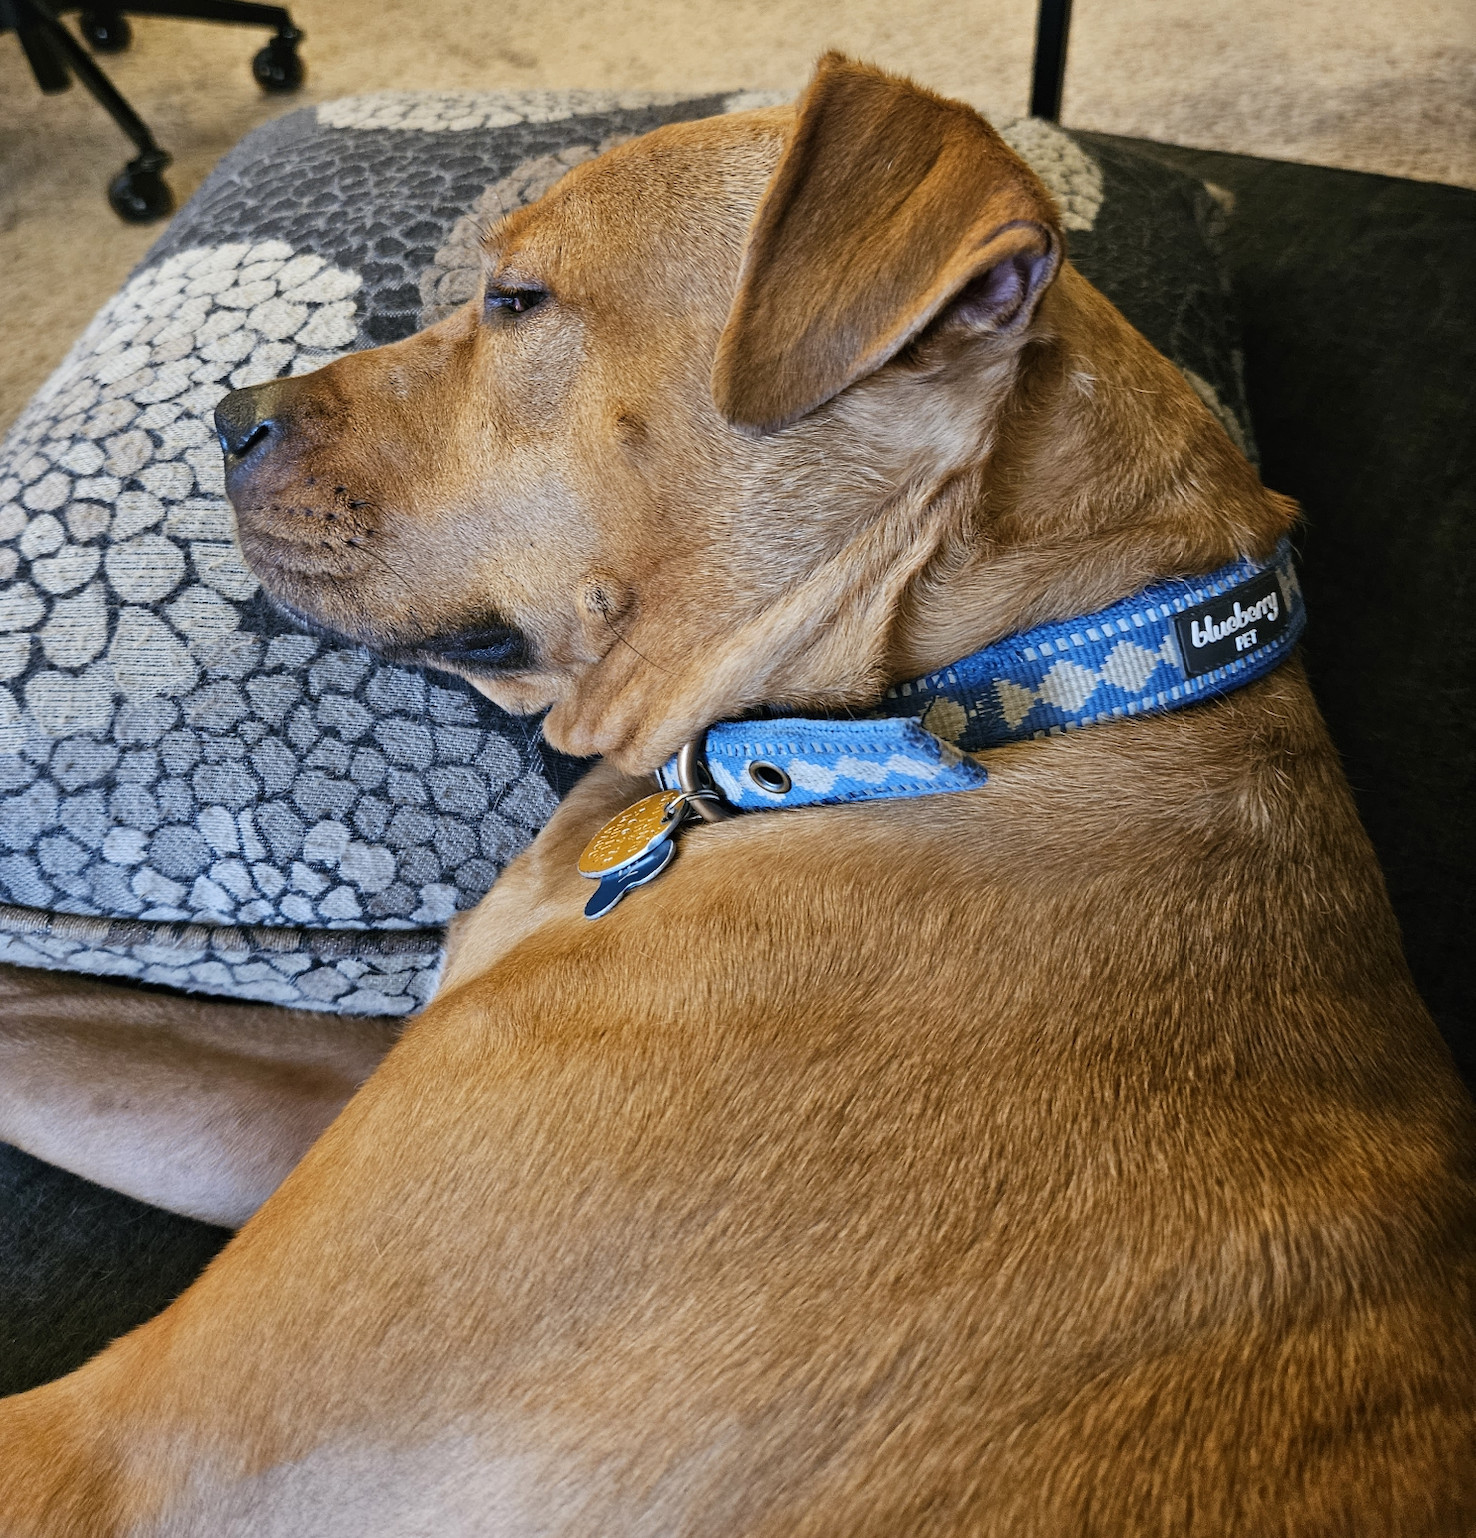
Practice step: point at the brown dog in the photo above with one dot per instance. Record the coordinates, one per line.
(1071, 1155)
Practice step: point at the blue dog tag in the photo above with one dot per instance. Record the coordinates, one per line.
(616, 883)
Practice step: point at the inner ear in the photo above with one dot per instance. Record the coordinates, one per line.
(1000, 300)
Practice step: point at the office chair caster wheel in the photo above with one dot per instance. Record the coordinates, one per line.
(277, 67)
(105, 31)
(140, 195)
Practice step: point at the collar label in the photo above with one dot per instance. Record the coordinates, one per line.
(1224, 629)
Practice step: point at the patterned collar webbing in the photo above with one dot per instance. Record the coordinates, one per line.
(1235, 625)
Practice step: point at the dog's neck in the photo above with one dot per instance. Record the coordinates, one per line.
(1108, 473)
(1102, 472)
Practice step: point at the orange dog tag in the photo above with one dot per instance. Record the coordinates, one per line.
(632, 833)
(634, 847)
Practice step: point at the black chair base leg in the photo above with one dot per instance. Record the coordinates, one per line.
(277, 67)
(46, 65)
(139, 192)
(79, 62)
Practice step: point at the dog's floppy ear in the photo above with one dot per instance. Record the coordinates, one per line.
(889, 204)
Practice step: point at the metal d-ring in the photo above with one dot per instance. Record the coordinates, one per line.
(696, 782)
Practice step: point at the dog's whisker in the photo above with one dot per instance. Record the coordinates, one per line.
(649, 661)
(359, 544)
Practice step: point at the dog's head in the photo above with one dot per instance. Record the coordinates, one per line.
(721, 407)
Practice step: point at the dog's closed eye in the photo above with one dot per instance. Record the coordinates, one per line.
(515, 301)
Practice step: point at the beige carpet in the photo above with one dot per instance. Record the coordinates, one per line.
(1379, 85)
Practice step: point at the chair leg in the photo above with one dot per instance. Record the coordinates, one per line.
(240, 12)
(104, 91)
(138, 193)
(51, 74)
(276, 67)
(1052, 27)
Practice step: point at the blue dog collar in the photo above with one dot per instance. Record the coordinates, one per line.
(1172, 644)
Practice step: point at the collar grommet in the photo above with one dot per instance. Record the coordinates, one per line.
(769, 778)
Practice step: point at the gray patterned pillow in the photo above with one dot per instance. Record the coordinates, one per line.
(192, 794)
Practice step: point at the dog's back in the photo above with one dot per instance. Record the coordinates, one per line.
(956, 1218)
(943, 1203)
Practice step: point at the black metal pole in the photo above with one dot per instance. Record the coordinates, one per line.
(1052, 25)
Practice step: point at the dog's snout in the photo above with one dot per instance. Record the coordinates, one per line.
(246, 419)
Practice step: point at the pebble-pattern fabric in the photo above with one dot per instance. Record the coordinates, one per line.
(169, 756)
(1071, 176)
(458, 111)
(381, 201)
(1155, 249)
(193, 769)
(383, 972)
(181, 774)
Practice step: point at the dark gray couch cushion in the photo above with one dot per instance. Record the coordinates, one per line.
(1358, 295)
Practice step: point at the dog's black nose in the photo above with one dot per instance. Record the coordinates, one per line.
(244, 419)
